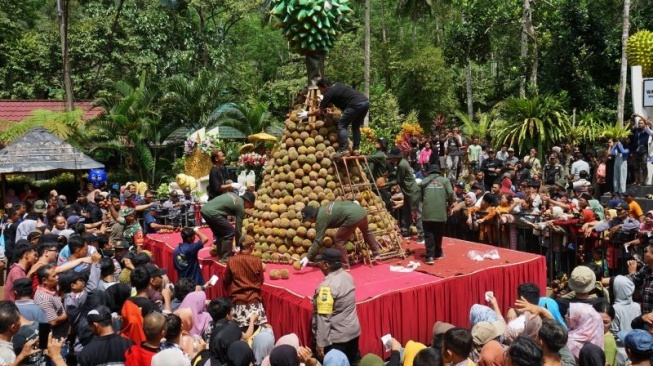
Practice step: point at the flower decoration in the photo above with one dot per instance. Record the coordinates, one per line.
(251, 161)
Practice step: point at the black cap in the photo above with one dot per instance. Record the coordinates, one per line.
(433, 168)
(156, 208)
(477, 185)
(155, 271)
(629, 192)
(249, 197)
(22, 285)
(34, 235)
(66, 279)
(99, 314)
(623, 206)
(330, 255)
(141, 259)
(308, 213)
(395, 152)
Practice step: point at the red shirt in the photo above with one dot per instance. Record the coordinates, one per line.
(15, 272)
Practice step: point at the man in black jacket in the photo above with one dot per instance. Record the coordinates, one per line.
(491, 168)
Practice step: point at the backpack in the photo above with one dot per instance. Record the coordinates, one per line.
(132, 322)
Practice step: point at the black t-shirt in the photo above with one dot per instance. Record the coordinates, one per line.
(27, 333)
(107, 350)
(147, 306)
(563, 303)
(216, 180)
(342, 97)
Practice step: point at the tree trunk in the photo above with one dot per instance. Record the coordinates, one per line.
(523, 46)
(62, 12)
(384, 35)
(468, 84)
(530, 31)
(367, 55)
(624, 64)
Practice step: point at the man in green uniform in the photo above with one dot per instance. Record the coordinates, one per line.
(335, 321)
(436, 196)
(132, 233)
(405, 178)
(378, 160)
(344, 215)
(215, 214)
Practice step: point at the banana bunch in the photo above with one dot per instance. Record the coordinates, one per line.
(312, 25)
(639, 50)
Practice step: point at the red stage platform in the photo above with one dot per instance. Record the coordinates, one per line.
(403, 304)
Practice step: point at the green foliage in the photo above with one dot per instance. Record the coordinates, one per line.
(64, 125)
(527, 123)
(480, 129)
(247, 118)
(425, 84)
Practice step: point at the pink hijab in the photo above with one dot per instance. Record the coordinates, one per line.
(195, 302)
(585, 325)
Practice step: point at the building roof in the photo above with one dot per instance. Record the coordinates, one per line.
(17, 110)
(40, 151)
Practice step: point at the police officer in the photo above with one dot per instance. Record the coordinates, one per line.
(335, 321)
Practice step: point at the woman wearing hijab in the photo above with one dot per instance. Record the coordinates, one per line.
(262, 345)
(284, 355)
(553, 308)
(625, 309)
(491, 354)
(591, 355)
(224, 339)
(371, 359)
(410, 351)
(239, 354)
(585, 325)
(481, 313)
(335, 358)
(192, 312)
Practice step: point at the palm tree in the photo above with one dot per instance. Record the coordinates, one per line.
(246, 118)
(65, 125)
(480, 129)
(190, 101)
(133, 128)
(526, 123)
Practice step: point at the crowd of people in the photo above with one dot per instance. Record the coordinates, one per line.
(80, 288)
(551, 207)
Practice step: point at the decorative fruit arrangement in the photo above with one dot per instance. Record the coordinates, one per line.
(274, 274)
(312, 25)
(301, 173)
(639, 50)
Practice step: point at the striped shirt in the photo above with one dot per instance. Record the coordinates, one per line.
(53, 308)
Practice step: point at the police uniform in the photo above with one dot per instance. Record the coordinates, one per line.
(335, 321)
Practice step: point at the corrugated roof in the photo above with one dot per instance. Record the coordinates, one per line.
(226, 132)
(40, 151)
(16, 110)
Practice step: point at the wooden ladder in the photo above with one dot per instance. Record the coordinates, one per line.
(355, 184)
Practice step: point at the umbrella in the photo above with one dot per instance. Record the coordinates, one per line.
(247, 148)
(261, 136)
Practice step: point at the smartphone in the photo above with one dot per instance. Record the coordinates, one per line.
(213, 280)
(44, 332)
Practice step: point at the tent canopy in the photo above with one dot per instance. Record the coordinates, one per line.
(40, 151)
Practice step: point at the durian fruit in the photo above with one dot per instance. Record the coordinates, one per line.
(288, 186)
(639, 51)
(274, 274)
(284, 274)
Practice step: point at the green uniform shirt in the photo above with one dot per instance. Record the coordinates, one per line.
(131, 234)
(377, 162)
(224, 205)
(436, 194)
(406, 181)
(334, 215)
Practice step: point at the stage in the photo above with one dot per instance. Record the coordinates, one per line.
(403, 304)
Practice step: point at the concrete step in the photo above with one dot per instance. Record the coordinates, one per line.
(641, 191)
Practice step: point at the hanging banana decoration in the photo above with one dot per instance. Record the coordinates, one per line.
(312, 27)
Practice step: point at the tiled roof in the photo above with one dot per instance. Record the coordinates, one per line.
(16, 110)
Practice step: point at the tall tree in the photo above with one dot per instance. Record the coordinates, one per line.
(63, 8)
(623, 75)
